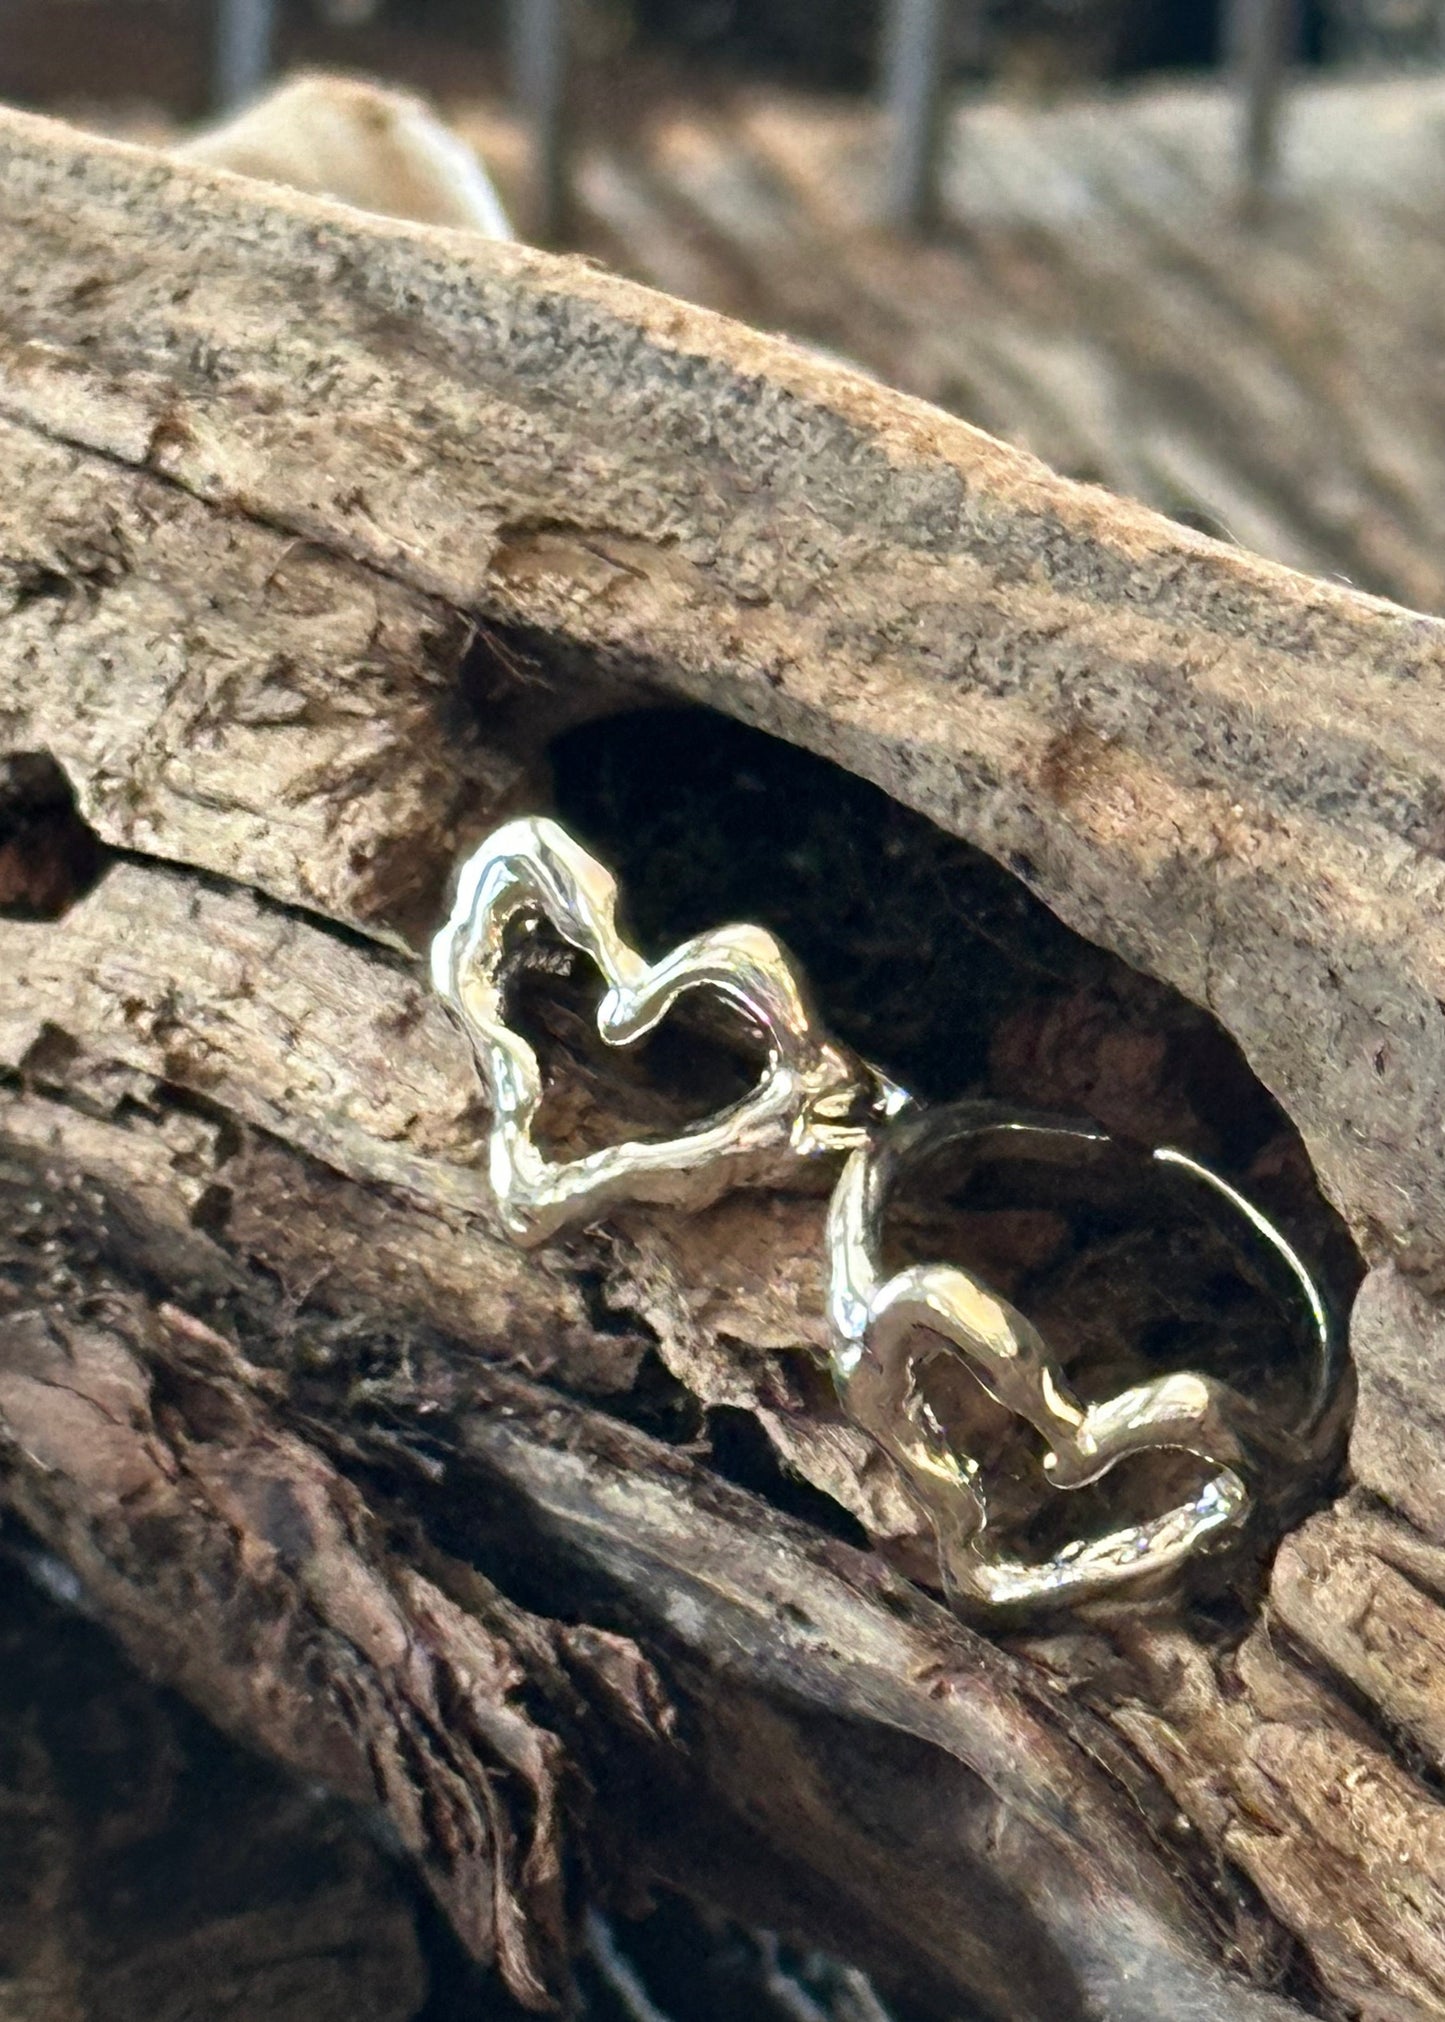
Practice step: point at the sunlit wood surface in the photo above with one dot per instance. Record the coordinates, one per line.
(1096, 292)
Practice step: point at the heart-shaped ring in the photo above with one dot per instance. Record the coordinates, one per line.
(876, 1360)
(813, 1095)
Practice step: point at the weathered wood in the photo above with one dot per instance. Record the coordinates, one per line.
(276, 464)
(379, 149)
(1111, 704)
(279, 1611)
(152, 1869)
(1098, 294)
(149, 1419)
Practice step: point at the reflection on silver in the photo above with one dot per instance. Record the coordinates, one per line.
(812, 1097)
(885, 1329)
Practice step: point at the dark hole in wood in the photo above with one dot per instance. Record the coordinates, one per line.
(698, 1061)
(49, 857)
(739, 1449)
(696, 1965)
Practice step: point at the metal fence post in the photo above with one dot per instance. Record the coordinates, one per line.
(914, 61)
(539, 49)
(1262, 38)
(245, 33)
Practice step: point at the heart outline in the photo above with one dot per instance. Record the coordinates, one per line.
(875, 1320)
(809, 1098)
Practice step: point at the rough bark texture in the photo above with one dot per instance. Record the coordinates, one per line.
(153, 1870)
(317, 531)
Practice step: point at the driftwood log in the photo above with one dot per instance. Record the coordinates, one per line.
(322, 543)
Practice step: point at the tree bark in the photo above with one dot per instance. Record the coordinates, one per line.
(318, 531)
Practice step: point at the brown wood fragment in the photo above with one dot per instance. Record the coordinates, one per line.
(152, 1870)
(1343, 1843)
(235, 1563)
(1398, 1337)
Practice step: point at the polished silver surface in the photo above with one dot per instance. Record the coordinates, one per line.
(812, 1097)
(886, 1328)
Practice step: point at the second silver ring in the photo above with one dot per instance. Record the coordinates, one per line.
(885, 1327)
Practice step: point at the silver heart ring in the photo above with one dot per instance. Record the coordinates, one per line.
(813, 1095)
(815, 1098)
(885, 1328)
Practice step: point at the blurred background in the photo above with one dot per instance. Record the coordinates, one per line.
(1190, 249)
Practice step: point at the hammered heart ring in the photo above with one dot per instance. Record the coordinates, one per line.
(808, 1098)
